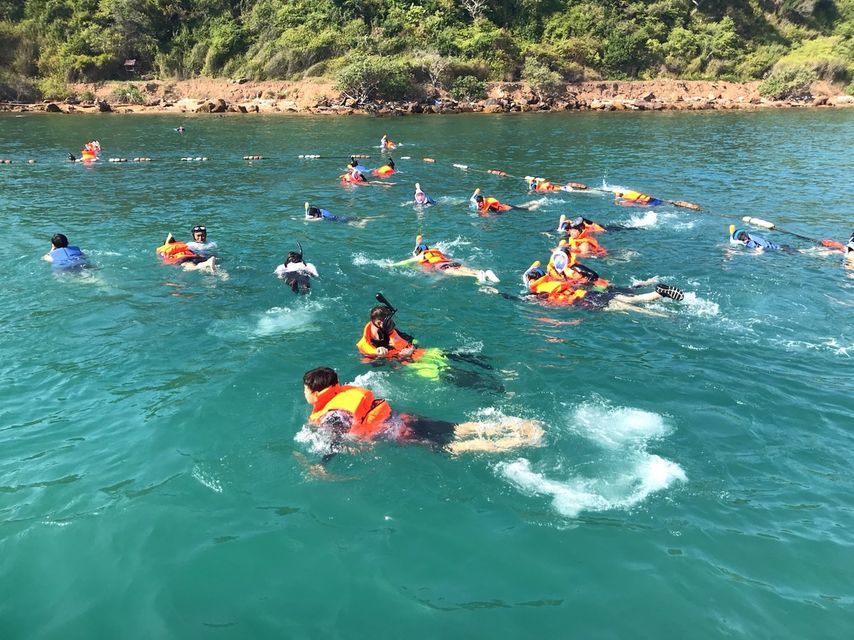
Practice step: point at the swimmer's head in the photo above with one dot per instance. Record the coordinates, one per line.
(59, 240)
(478, 198)
(293, 256)
(420, 246)
(742, 236)
(313, 212)
(317, 380)
(199, 229)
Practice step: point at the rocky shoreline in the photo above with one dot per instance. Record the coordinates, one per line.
(318, 98)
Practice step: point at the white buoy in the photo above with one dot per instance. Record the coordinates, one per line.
(759, 222)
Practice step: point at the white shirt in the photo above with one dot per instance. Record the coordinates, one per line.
(203, 249)
(306, 267)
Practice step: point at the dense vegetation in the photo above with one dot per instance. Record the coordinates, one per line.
(387, 48)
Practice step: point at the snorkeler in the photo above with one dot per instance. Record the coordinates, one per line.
(752, 240)
(64, 257)
(347, 412)
(199, 244)
(384, 171)
(485, 206)
(566, 282)
(636, 199)
(314, 213)
(435, 260)
(296, 272)
(421, 197)
(174, 252)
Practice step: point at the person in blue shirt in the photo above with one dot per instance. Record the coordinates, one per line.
(64, 257)
(316, 213)
(751, 240)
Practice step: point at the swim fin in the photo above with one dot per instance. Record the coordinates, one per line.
(669, 292)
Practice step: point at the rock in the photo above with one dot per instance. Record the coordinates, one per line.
(221, 106)
(493, 108)
(429, 109)
(648, 96)
(819, 101)
(205, 107)
(53, 108)
(841, 100)
(618, 106)
(755, 100)
(104, 106)
(242, 80)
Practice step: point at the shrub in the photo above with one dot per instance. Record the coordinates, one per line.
(87, 96)
(52, 88)
(542, 80)
(468, 88)
(787, 82)
(128, 95)
(17, 88)
(372, 77)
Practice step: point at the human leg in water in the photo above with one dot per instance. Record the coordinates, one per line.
(434, 365)
(471, 358)
(472, 380)
(497, 436)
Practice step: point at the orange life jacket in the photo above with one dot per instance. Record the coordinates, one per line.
(586, 246)
(432, 258)
(369, 413)
(636, 196)
(366, 347)
(174, 252)
(383, 171)
(491, 204)
(557, 291)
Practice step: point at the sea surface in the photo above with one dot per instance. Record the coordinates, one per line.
(695, 479)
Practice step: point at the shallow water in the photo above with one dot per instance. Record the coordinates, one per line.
(694, 479)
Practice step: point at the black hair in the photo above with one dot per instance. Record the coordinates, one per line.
(59, 240)
(314, 212)
(293, 256)
(380, 312)
(478, 198)
(320, 378)
(390, 162)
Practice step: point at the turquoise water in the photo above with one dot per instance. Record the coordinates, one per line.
(695, 477)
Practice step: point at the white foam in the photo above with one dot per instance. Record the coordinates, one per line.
(642, 221)
(571, 497)
(280, 320)
(699, 306)
(360, 259)
(317, 441)
(628, 472)
(375, 380)
(207, 479)
(614, 427)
